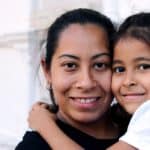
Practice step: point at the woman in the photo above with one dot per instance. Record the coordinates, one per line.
(78, 69)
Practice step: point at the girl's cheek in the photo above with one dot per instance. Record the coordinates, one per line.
(114, 85)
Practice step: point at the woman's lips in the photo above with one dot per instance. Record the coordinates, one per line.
(88, 102)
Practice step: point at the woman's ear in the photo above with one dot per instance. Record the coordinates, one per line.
(46, 71)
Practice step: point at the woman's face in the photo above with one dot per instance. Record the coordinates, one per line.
(131, 73)
(80, 73)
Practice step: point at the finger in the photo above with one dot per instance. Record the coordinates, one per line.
(29, 116)
(45, 105)
(41, 102)
(53, 108)
(36, 105)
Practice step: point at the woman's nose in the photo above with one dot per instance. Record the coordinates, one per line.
(86, 80)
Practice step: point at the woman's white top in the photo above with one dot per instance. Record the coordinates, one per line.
(138, 132)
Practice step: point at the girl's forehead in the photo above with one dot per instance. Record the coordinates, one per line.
(131, 49)
(129, 40)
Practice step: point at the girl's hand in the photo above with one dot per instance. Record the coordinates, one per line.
(43, 121)
(40, 116)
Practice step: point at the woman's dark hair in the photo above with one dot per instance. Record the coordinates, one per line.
(136, 26)
(76, 16)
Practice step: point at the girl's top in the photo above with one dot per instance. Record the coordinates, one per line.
(138, 132)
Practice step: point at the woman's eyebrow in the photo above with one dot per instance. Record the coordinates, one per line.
(101, 55)
(93, 57)
(68, 55)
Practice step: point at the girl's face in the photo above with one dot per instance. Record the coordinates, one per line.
(80, 73)
(131, 73)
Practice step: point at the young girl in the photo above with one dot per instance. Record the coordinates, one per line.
(130, 85)
(131, 77)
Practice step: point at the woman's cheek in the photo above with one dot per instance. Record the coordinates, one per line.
(106, 81)
(63, 83)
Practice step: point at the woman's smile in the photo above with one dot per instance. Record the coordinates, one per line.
(85, 102)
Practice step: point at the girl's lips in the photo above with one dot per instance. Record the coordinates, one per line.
(133, 96)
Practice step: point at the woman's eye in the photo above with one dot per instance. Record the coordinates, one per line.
(70, 66)
(144, 66)
(100, 66)
(118, 69)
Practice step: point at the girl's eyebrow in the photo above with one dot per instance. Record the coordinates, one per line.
(93, 57)
(142, 59)
(100, 55)
(116, 62)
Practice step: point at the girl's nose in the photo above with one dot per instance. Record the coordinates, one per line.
(129, 79)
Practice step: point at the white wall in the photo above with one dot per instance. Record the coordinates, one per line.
(14, 95)
(14, 16)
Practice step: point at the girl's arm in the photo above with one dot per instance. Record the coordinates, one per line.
(43, 121)
(138, 132)
(121, 145)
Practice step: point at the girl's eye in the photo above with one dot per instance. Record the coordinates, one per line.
(100, 66)
(118, 69)
(144, 66)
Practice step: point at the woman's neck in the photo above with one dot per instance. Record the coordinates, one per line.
(103, 128)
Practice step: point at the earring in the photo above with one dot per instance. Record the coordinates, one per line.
(54, 106)
(48, 86)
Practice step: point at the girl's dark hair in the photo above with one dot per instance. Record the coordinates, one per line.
(136, 26)
(120, 117)
(76, 16)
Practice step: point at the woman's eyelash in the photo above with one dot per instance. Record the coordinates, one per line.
(101, 66)
(69, 66)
